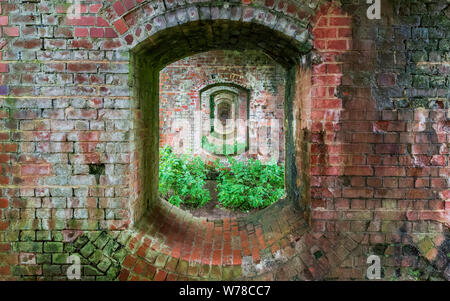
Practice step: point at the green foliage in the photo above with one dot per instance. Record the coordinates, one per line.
(221, 149)
(181, 179)
(210, 147)
(241, 185)
(248, 185)
(415, 274)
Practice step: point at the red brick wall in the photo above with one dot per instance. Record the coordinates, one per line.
(378, 171)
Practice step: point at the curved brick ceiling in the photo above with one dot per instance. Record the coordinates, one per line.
(172, 44)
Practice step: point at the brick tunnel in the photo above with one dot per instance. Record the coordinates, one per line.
(366, 135)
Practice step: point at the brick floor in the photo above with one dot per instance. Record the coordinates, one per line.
(169, 243)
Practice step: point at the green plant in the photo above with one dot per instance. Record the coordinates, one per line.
(181, 179)
(223, 149)
(248, 185)
(414, 273)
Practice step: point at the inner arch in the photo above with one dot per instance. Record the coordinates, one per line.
(174, 43)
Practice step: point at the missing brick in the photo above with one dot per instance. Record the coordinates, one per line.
(97, 170)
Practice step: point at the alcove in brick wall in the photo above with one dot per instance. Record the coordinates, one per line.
(150, 57)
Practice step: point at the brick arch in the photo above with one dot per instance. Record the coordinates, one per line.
(170, 44)
(198, 89)
(135, 22)
(241, 83)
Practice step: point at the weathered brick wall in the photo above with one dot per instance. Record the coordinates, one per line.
(181, 84)
(379, 153)
(371, 141)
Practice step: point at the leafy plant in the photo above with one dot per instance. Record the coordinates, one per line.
(247, 185)
(182, 179)
(221, 149)
(415, 274)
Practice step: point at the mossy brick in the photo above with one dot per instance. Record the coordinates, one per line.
(419, 102)
(61, 192)
(110, 247)
(171, 264)
(410, 20)
(28, 270)
(419, 56)
(104, 264)
(53, 247)
(160, 261)
(227, 273)
(89, 270)
(124, 237)
(51, 270)
(96, 256)
(416, 44)
(81, 241)
(59, 224)
(93, 235)
(114, 234)
(43, 235)
(12, 235)
(120, 255)
(151, 256)
(87, 250)
(83, 224)
(82, 259)
(113, 271)
(443, 21)
(438, 82)
(43, 258)
(193, 269)
(29, 278)
(388, 226)
(237, 272)
(30, 246)
(182, 267)
(57, 236)
(216, 272)
(204, 270)
(60, 258)
(425, 245)
(27, 224)
(420, 81)
(69, 248)
(27, 235)
(102, 240)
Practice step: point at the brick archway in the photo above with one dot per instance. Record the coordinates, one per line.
(135, 21)
(192, 37)
(165, 31)
(223, 243)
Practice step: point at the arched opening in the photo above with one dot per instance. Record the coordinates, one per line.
(239, 122)
(174, 43)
